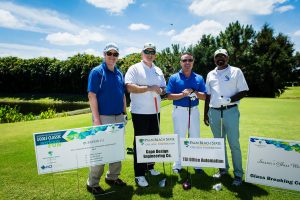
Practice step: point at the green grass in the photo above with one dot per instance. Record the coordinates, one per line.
(275, 118)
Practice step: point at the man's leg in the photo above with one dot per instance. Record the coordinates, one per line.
(215, 126)
(94, 175)
(231, 121)
(180, 124)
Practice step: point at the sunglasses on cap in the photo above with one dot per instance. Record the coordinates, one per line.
(185, 60)
(149, 52)
(112, 54)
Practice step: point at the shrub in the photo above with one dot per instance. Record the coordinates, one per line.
(10, 114)
(50, 113)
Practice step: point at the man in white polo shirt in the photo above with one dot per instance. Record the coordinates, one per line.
(145, 81)
(226, 86)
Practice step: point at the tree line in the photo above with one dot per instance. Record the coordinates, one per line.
(269, 63)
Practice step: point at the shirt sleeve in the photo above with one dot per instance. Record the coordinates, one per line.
(130, 76)
(170, 88)
(202, 87)
(94, 81)
(241, 82)
(207, 85)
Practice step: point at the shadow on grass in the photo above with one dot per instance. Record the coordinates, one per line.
(245, 191)
(153, 188)
(121, 192)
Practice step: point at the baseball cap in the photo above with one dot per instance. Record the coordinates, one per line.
(110, 46)
(221, 51)
(149, 45)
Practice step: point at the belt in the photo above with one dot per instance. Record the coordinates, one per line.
(225, 107)
(184, 108)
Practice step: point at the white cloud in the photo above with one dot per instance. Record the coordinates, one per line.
(297, 33)
(83, 38)
(7, 20)
(167, 33)
(31, 19)
(140, 26)
(131, 50)
(193, 34)
(233, 7)
(284, 8)
(113, 6)
(28, 51)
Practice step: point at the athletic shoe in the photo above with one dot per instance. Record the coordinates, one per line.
(95, 190)
(118, 182)
(141, 181)
(220, 173)
(237, 181)
(154, 173)
(198, 170)
(176, 171)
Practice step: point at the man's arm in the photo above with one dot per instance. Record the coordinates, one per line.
(238, 96)
(133, 88)
(206, 107)
(94, 107)
(125, 105)
(184, 93)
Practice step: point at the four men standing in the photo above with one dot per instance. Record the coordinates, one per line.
(225, 86)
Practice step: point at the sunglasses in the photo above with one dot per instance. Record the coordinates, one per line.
(149, 52)
(185, 60)
(110, 54)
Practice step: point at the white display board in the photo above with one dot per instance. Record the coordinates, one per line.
(274, 162)
(202, 152)
(157, 148)
(80, 147)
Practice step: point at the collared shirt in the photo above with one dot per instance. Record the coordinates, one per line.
(142, 75)
(109, 88)
(178, 82)
(226, 83)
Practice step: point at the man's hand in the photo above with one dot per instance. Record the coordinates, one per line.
(224, 101)
(125, 119)
(206, 120)
(193, 96)
(155, 88)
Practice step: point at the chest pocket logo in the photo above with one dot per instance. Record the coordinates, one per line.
(227, 78)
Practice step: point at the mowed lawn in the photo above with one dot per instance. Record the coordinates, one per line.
(265, 117)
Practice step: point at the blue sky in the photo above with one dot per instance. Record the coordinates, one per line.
(63, 28)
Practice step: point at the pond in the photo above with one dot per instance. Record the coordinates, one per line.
(37, 108)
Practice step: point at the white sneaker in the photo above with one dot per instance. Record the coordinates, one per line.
(176, 171)
(141, 181)
(154, 173)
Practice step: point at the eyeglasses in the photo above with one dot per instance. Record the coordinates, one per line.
(111, 53)
(185, 60)
(149, 52)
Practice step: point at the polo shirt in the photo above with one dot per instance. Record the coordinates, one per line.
(179, 82)
(109, 88)
(142, 75)
(226, 83)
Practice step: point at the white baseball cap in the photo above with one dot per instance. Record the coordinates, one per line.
(149, 45)
(110, 46)
(221, 51)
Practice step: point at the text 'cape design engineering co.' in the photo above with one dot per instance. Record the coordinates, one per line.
(80, 147)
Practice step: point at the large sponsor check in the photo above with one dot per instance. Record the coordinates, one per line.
(157, 148)
(274, 163)
(202, 152)
(81, 147)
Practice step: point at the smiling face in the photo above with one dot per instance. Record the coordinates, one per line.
(111, 57)
(221, 60)
(187, 62)
(148, 55)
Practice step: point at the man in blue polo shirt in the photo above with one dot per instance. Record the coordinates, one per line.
(183, 87)
(107, 100)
